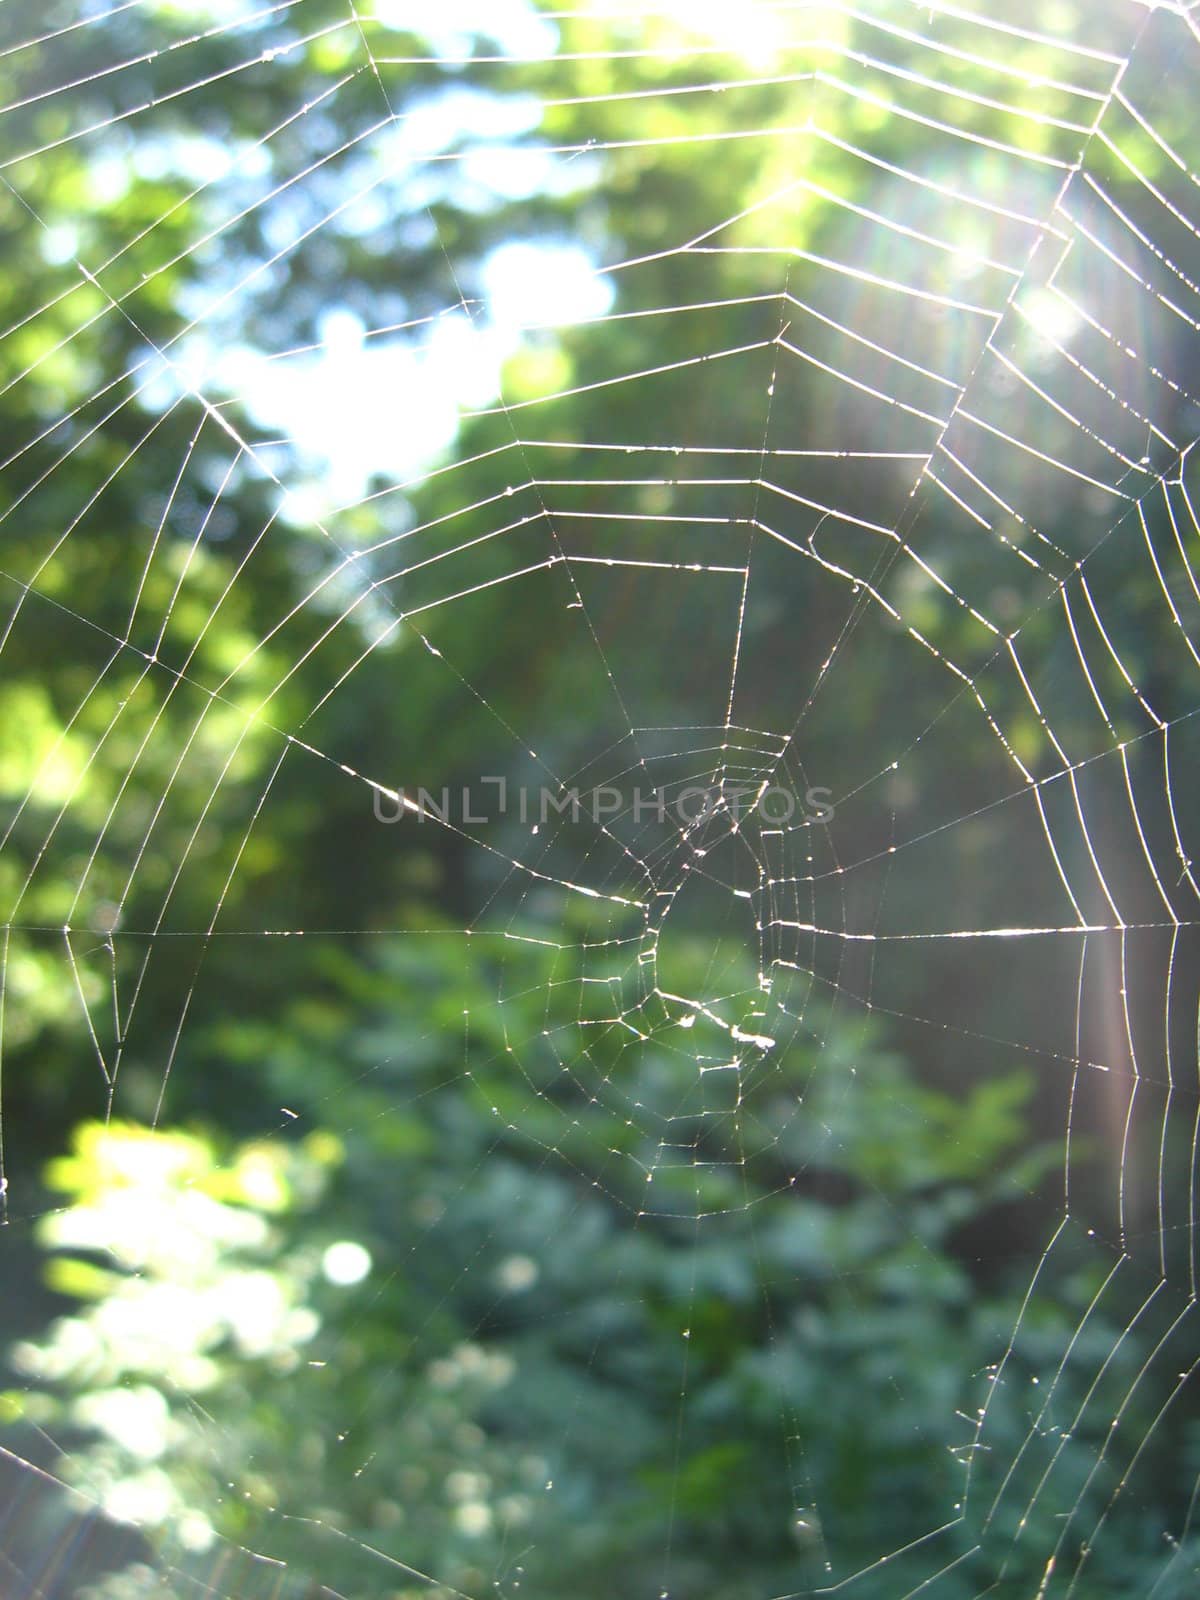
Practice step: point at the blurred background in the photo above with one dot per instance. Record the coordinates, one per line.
(402, 395)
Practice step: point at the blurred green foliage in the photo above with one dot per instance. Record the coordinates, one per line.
(498, 1391)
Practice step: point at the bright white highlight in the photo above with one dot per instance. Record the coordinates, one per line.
(346, 1263)
(539, 284)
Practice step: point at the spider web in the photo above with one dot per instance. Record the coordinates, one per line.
(962, 474)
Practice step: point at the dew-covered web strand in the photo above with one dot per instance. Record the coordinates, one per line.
(347, 557)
